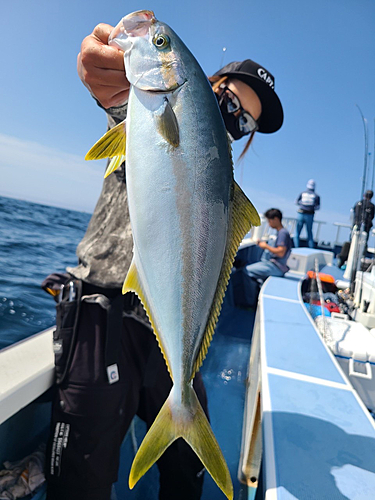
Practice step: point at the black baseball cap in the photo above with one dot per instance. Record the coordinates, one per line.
(263, 83)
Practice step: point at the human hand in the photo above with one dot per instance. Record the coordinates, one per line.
(262, 244)
(101, 68)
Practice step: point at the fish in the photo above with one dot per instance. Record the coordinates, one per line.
(188, 217)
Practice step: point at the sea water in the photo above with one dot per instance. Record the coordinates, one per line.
(35, 241)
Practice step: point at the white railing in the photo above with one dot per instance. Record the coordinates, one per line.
(264, 232)
(26, 371)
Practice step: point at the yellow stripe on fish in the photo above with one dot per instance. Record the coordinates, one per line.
(244, 216)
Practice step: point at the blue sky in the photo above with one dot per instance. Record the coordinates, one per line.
(321, 53)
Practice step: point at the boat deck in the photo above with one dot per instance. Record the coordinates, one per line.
(319, 439)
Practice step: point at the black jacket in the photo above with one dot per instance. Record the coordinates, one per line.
(364, 212)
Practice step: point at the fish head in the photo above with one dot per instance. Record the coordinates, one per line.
(151, 52)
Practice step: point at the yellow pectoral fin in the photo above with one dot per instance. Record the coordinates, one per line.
(114, 164)
(112, 144)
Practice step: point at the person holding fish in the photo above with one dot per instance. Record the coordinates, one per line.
(171, 224)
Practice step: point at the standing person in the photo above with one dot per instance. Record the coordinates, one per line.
(364, 211)
(113, 368)
(308, 202)
(274, 258)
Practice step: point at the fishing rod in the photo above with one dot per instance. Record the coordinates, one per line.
(357, 256)
(360, 243)
(372, 189)
(222, 57)
(366, 151)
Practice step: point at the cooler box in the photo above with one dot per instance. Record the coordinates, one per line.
(302, 260)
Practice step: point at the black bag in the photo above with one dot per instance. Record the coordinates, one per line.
(67, 292)
(67, 317)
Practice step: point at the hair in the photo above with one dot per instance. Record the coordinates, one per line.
(272, 213)
(369, 194)
(216, 81)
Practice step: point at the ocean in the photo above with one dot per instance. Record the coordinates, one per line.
(35, 241)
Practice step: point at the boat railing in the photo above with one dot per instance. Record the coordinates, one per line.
(265, 232)
(251, 444)
(27, 371)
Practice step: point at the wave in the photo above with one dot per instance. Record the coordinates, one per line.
(35, 240)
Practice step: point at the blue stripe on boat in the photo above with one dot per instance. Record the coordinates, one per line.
(292, 343)
(319, 440)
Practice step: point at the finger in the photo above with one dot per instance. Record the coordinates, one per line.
(81, 73)
(105, 77)
(101, 32)
(118, 99)
(95, 54)
(115, 99)
(79, 66)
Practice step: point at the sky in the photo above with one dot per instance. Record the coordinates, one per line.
(321, 53)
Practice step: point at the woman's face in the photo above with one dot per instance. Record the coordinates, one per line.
(249, 99)
(236, 94)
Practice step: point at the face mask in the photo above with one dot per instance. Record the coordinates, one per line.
(237, 126)
(231, 123)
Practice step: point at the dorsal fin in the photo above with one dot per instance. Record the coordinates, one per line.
(113, 143)
(243, 217)
(132, 283)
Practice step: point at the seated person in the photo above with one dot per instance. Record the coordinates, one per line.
(273, 261)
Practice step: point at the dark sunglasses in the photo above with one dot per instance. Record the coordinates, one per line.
(246, 123)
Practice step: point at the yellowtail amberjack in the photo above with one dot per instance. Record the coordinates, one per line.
(188, 218)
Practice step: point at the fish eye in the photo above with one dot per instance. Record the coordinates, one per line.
(161, 41)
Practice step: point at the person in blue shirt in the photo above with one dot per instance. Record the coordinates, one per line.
(308, 202)
(274, 258)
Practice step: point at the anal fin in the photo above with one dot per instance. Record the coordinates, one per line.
(132, 283)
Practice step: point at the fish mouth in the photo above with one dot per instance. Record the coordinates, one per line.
(170, 90)
(138, 23)
(135, 24)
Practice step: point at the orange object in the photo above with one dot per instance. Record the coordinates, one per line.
(327, 278)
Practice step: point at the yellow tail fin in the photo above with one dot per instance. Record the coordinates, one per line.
(196, 431)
